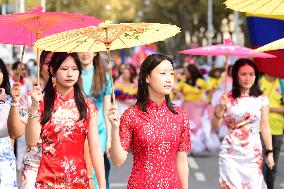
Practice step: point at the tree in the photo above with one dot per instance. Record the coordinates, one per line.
(189, 15)
(104, 9)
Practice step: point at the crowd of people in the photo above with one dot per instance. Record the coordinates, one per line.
(64, 132)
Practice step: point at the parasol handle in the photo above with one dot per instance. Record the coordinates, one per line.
(37, 63)
(21, 61)
(110, 73)
(109, 65)
(226, 74)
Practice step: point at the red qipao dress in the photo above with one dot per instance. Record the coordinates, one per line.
(155, 137)
(63, 136)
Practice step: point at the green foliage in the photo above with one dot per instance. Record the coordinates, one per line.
(189, 15)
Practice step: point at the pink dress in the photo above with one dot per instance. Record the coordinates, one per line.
(63, 136)
(155, 137)
(240, 162)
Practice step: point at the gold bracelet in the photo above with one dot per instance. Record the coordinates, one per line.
(32, 115)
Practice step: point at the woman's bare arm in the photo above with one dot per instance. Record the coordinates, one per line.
(182, 168)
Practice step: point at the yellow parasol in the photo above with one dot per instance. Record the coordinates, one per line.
(278, 44)
(107, 36)
(267, 7)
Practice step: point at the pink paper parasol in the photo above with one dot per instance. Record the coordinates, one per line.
(227, 49)
(26, 28)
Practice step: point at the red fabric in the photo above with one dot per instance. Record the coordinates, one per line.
(21, 80)
(272, 66)
(155, 137)
(62, 164)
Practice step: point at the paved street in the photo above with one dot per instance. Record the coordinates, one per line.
(203, 173)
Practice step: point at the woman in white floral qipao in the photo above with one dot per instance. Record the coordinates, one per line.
(244, 111)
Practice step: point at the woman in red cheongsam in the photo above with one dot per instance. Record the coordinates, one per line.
(63, 120)
(155, 130)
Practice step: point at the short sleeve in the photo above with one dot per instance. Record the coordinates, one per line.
(92, 109)
(179, 86)
(185, 143)
(265, 100)
(202, 84)
(108, 89)
(125, 130)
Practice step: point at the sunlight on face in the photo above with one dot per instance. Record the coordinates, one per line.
(246, 76)
(126, 74)
(161, 79)
(67, 74)
(86, 58)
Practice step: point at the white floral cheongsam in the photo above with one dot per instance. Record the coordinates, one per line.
(240, 159)
(7, 158)
(32, 155)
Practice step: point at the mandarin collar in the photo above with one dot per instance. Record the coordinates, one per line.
(153, 105)
(68, 96)
(89, 71)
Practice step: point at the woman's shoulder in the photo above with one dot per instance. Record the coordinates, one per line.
(130, 114)
(181, 83)
(182, 118)
(260, 97)
(202, 83)
(89, 103)
(229, 94)
(108, 78)
(263, 97)
(133, 108)
(201, 80)
(87, 99)
(181, 112)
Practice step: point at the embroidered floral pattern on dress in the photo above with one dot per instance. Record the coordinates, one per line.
(241, 152)
(7, 164)
(32, 155)
(258, 156)
(63, 136)
(226, 185)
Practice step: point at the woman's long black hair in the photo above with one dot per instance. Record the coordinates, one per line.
(49, 91)
(5, 83)
(236, 88)
(42, 57)
(142, 93)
